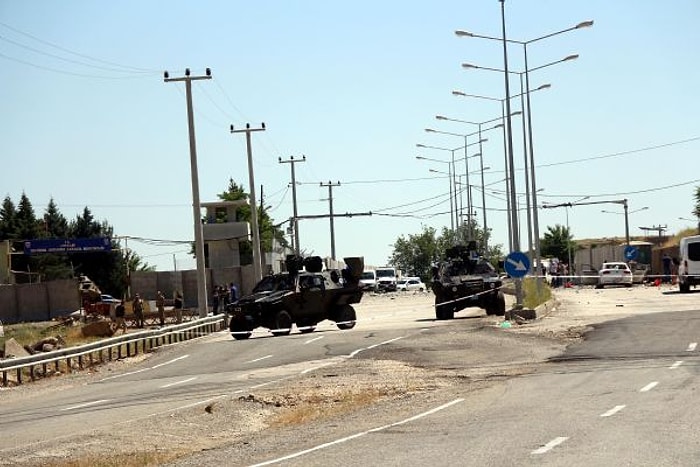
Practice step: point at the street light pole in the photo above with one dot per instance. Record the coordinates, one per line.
(291, 161)
(196, 205)
(330, 210)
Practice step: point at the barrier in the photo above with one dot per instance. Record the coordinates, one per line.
(125, 345)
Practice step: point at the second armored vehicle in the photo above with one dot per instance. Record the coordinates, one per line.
(303, 296)
(464, 279)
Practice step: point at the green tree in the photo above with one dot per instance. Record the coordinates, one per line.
(556, 242)
(696, 208)
(55, 224)
(27, 225)
(8, 220)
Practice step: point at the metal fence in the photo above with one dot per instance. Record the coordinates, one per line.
(127, 345)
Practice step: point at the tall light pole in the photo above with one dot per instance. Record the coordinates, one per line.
(196, 205)
(581, 25)
(527, 170)
(453, 193)
(257, 251)
(466, 169)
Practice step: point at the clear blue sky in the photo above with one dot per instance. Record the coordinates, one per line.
(88, 120)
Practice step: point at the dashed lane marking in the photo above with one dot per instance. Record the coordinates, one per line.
(691, 347)
(87, 404)
(178, 382)
(258, 359)
(649, 386)
(551, 445)
(613, 411)
(169, 362)
(313, 340)
(676, 365)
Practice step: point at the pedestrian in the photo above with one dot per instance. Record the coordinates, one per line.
(215, 300)
(119, 313)
(177, 305)
(667, 261)
(137, 307)
(160, 304)
(233, 291)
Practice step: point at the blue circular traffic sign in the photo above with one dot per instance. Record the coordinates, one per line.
(517, 264)
(631, 253)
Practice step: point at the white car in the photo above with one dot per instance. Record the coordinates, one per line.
(615, 273)
(410, 283)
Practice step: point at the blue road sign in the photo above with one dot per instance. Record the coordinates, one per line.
(517, 264)
(67, 245)
(631, 253)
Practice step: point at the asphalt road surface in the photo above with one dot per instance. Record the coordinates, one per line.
(622, 396)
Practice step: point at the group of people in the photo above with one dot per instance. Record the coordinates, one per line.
(222, 296)
(137, 307)
(559, 273)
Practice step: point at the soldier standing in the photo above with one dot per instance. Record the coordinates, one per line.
(137, 307)
(160, 304)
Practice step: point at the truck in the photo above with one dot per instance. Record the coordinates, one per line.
(368, 280)
(304, 295)
(387, 276)
(462, 279)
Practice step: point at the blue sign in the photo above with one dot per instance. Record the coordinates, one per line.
(517, 264)
(67, 245)
(631, 253)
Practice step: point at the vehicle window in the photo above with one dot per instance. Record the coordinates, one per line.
(694, 251)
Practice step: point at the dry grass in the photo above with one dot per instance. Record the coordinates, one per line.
(136, 459)
(532, 298)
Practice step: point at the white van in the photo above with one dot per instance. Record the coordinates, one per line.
(368, 281)
(689, 263)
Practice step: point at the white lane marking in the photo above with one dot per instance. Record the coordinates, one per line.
(692, 346)
(262, 384)
(313, 340)
(178, 382)
(357, 435)
(169, 362)
(258, 359)
(128, 373)
(649, 386)
(385, 342)
(352, 354)
(303, 372)
(551, 445)
(676, 365)
(87, 404)
(613, 411)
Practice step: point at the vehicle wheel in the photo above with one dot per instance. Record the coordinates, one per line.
(599, 286)
(684, 287)
(306, 327)
(346, 317)
(628, 285)
(443, 312)
(421, 290)
(283, 324)
(496, 305)
(239, 330)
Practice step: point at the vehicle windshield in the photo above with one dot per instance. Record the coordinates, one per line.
(274, 283)
(385, 273)
(367, 276)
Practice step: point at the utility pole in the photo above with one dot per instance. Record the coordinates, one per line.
(330, 210)
(659, 229)
(295, 219)
(196, 209)
(257, 263)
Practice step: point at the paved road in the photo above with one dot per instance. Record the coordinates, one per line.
(560, 409)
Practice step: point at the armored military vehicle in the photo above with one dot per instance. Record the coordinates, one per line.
(465, 279)
(303, 296)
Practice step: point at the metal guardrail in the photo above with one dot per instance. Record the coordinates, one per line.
(122, 345)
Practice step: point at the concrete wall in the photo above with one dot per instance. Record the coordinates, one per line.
(38, 302)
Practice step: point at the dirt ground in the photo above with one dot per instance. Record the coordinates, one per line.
(385, 381)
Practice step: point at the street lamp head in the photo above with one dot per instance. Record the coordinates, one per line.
(570, 57)
(418, 145)
(469, 65)
(584, 24)
(460, 33)
(544, 86)
(458, 93)
(517, 112)
(430, 130)
(500, 125)
(441, 117)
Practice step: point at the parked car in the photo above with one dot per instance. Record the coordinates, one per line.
(104, 298)
(410, 283)
(614, 273)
